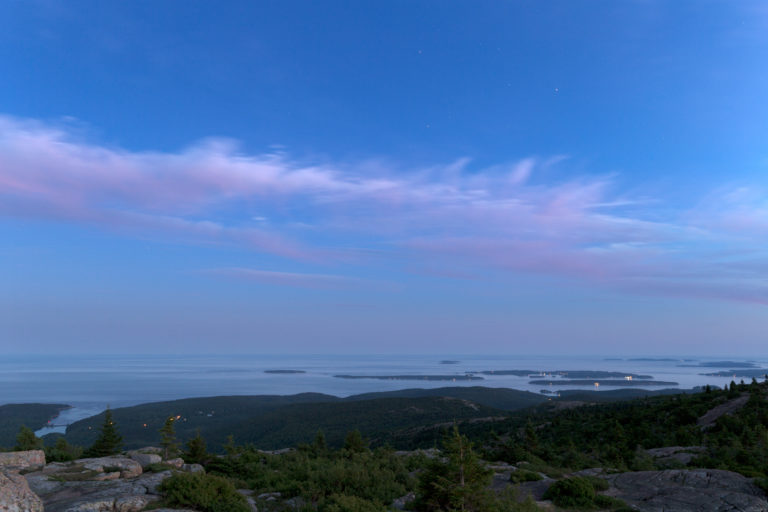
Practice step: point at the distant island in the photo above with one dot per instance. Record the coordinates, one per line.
(603, 382)
(749, 373)
(284, 371)
(412, 377)
(449, 361)
(575, 374)
(720, 364)
(519, 373)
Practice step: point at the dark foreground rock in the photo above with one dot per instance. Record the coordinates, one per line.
(697, 490)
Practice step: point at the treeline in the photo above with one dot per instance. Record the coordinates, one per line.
(616, 435)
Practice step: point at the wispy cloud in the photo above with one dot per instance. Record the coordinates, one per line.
(302, 280)
(454, 217)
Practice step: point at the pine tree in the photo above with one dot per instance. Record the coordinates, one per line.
(168, 438)
(319, 445)
(196, 452)
(531, 439)
(109, 441)
(460, 483)
(354, 442)
(27, 440)
(62, 451)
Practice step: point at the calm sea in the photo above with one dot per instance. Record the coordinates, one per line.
(90, 383)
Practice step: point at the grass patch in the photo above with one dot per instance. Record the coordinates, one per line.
(75, 474)
(158, 467)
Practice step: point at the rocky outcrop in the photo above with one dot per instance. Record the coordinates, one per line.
(175, 463)
(709, 418)
(700, 490)
(193, 468)
(15, 494)
(115, 495)
(128, 468)
(675, 454)
(145, 459)
(105, 484)
(26, 460)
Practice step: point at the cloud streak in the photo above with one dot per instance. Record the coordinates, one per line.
(460, 218)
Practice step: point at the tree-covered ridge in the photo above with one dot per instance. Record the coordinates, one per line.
(617, 435)
(34, 416)
(406, 416)
(399, 421)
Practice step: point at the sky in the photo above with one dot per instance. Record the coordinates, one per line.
(399, 176)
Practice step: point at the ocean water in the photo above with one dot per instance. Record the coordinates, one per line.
(90, 383)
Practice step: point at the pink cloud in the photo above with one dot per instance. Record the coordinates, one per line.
(504, 217)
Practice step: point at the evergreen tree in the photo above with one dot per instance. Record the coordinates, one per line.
(230, 448)
(196, 452)
(168, 439)
(319, 445)
(62, 451)
(27, 440)
(354, 442)
(460, 483)
(109, 441)
(531, 439)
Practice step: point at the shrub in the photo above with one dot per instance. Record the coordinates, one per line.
(597, 483)
(611, 503)
(575, 492)
(523, 475)
(207, 493)
(158, 467)
(344, 503)
(62, 451)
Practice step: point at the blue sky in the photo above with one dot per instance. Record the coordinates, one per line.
(398, 176)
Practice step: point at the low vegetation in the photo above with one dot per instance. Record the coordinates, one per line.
(206, 493)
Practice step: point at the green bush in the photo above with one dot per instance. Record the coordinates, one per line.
(344, 503)
(158, 467)
(580, 492)
(575, 492)
(207, 493)
(523, 475)
(62, 451)
(598, 484)
(611, 503)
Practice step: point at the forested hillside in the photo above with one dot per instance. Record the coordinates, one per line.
(409, 417)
